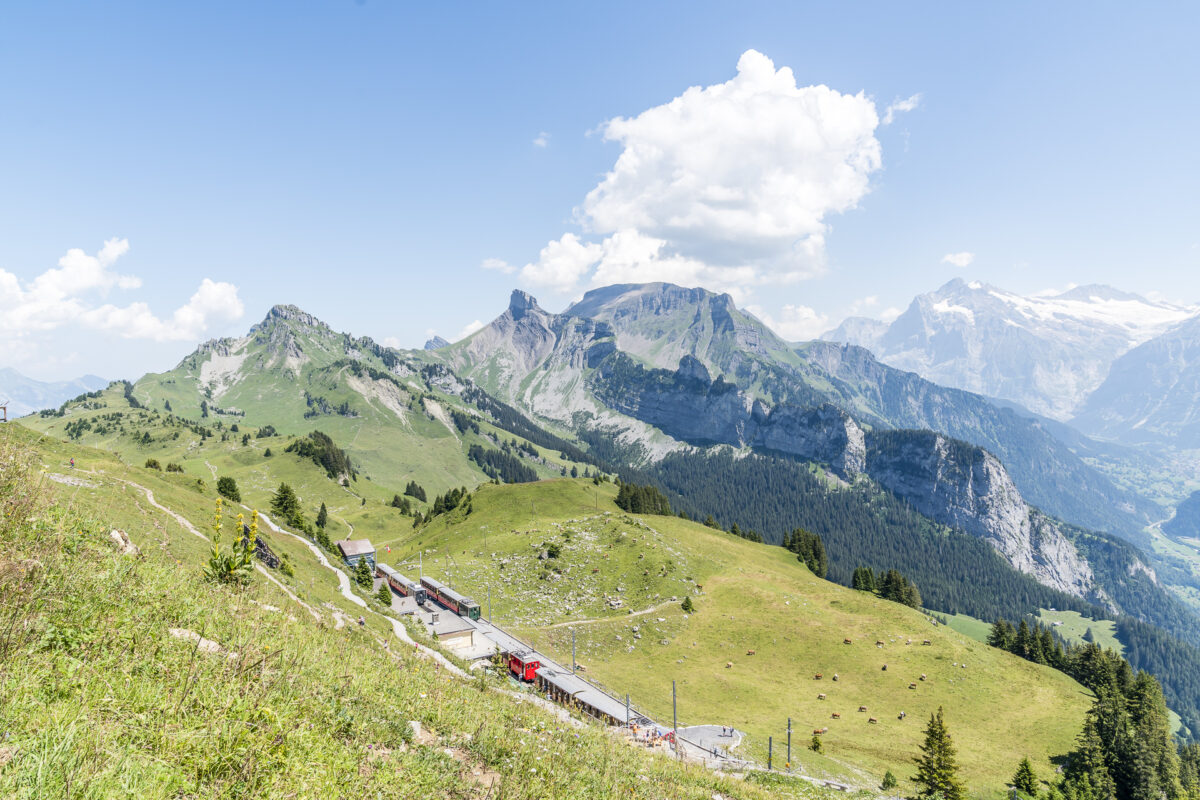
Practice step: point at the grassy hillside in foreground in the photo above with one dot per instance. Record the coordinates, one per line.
(749, 598)
(99, 699)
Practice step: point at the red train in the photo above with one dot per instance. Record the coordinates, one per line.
(524, 665)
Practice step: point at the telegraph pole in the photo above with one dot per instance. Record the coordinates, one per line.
(789, 758)
(770, 744)
(626, 709)
(573, 667)
(490, 611)
(674, 719)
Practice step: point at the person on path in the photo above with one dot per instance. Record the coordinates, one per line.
(72, 463)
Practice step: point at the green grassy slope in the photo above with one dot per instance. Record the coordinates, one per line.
(99, 699)
(749, 597)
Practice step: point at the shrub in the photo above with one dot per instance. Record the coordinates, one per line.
(152, 463)
(227, 487)
(688, 606)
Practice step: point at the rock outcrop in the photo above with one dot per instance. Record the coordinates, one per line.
(968, 488)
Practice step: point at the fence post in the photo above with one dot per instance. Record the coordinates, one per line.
(770, 744)
(789, 754)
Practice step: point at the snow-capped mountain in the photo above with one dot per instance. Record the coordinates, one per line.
(1044, 352)
(1151, 394)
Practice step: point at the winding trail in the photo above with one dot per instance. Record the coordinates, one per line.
(190, 528)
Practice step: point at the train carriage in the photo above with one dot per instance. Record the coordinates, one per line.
(401, 584)
(447, 597)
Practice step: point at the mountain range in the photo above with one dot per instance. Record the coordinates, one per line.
(990, 510)
(26, 395)
(1048, 353)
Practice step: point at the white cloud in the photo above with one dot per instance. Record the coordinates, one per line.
(890, 313)
(212, 302)
(795, 323)
(962, 259)
(65, 295)
(394, 341)
(562, 263)
(470, 328)
(725, 184)
(901, 107)
(542, 139)
(499, 265)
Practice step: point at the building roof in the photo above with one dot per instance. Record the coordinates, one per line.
(356, 547)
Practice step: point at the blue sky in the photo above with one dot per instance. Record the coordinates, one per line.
(362, 160)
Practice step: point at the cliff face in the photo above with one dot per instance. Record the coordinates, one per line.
(968, 488)
(689, 405)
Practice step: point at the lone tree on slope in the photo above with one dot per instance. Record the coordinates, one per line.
(937, 771)
(1024, 780)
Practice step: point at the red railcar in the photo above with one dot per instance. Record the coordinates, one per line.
(523, 665)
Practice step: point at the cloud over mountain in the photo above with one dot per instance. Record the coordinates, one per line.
(729, 185)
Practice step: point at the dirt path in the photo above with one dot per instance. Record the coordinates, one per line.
(643, 612)
(211, 469)
(190, 528)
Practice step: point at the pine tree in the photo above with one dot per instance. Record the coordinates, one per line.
(889, 781)
(937, 771)
(1024, 780)
(227, 487)
(384, 594)
(285, 503)
(322, 517)
(362, 574)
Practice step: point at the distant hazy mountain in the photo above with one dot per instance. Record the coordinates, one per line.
(1151, 394)
(1046, 353)
(25, 395)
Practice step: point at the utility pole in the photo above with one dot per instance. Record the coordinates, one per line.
(674, 718)
(789, 758)
(490, 611)
(770, 745)
(420, 565)
(626, 709)
(573, 667)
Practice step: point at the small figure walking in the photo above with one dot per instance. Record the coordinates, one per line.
(72, 462)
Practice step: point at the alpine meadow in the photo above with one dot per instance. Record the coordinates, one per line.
(672, 401)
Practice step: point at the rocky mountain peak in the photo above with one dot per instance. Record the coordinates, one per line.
(436, 343)
(521, 303)
(289, 313)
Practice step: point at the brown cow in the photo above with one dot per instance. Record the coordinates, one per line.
(873, 721)
(817, 731)
(912, 686)
(820, 697)
(846, 641)
(836, 715)
(817, 677)
(749, 652)
(862, 708)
